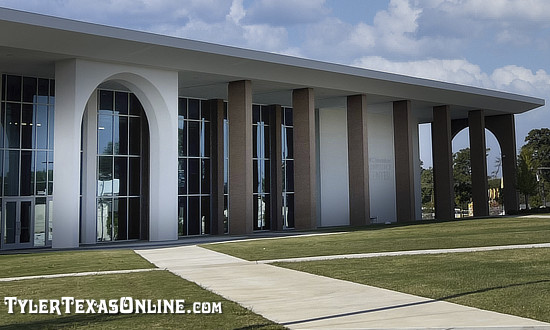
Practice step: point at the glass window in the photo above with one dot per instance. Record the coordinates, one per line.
(29, 89)
(120, 218)
(11, 173)
(121, 103)
(41, 173)
(41, 126)
(194, 138)
(193, 109)
(134, 217)
(13, 88)
(182, 216)
(105, 176)
(105, 135)
(43, 89)
(104, 219)
(106, 102)
(134, 176)
(13, 118)
(27, 127)
(27, 173)
(135, 107)
(135, 136)
(121, 175)
(193, 215)
(40, 222)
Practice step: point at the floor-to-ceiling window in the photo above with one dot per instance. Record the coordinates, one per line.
(287, 140)
(121, 157)
(194, 179)
(225, 170)
(26, 161)
(261, 148)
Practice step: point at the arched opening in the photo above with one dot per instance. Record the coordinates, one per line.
(462, 173)
(115, 166)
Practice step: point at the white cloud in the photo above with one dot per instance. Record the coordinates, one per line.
(457, 71)
(286, 12)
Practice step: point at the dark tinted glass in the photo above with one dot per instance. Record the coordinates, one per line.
(193, 184)
(121, 103)
(205, 214)
(105, 101)
(134, 217)
(41, 126)
(193, 109)
(289, 173)
(134, 177)
(182, 177)
(120, 218)
(182, 216)
(29, 89)
(120, 135)
(121, 174)
(194, 215)
(205, 110)
(27, 127)
(182, 107)
(135, 106)
(289, 142)
(265, 114)
(27, 173)
(194, 138)
(205, 176)
(13, 88)
(13, 118)
(105, 176)
(288, 117)
(255, 114)
(135, 136)
(41, 172)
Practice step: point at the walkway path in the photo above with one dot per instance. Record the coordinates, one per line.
(300, 300)
(106, 272)
(408, 253)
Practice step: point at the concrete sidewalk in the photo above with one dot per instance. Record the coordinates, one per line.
(304, 301)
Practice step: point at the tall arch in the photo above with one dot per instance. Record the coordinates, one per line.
(76, 81)
(503, 128)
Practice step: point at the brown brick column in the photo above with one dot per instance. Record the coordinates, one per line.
(358, 161)
(276, 157)
(478, 160)
(305, 167)
(404, 172)
(442, 163)
(216, 158)
(240, 156)
(504, 128)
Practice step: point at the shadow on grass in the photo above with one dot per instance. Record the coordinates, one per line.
(68, 321)
(429, 301)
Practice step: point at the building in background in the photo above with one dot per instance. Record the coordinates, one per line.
(109, 135)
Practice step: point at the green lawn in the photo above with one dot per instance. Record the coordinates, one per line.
(423, 235)
(70, 262)
(514, 282)
(145, 285)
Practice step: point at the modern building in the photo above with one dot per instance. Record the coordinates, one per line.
(109, 134)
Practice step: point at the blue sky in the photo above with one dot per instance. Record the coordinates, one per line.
(497, 44)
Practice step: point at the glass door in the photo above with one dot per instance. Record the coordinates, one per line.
(17, 223)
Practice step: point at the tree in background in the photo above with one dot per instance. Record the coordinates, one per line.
(526, 174)
(462, 175)
(538, 145)
(427, 188)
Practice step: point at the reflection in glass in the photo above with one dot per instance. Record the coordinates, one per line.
(120, 176)
(41, 126)
(11, 173)
(105, 176)
(194, 177)
(134, 176)
(40, 222)
(13, 117)
(10, 222)
(41, 172)
(27, 128)
(27, 173)
(105, 135)
(182, 177)
(135, 136)
(104, 219)
(25, 222)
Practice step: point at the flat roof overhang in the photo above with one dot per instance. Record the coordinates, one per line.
(32, 43)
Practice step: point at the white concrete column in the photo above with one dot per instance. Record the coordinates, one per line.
(89, 169)
(66, 174)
